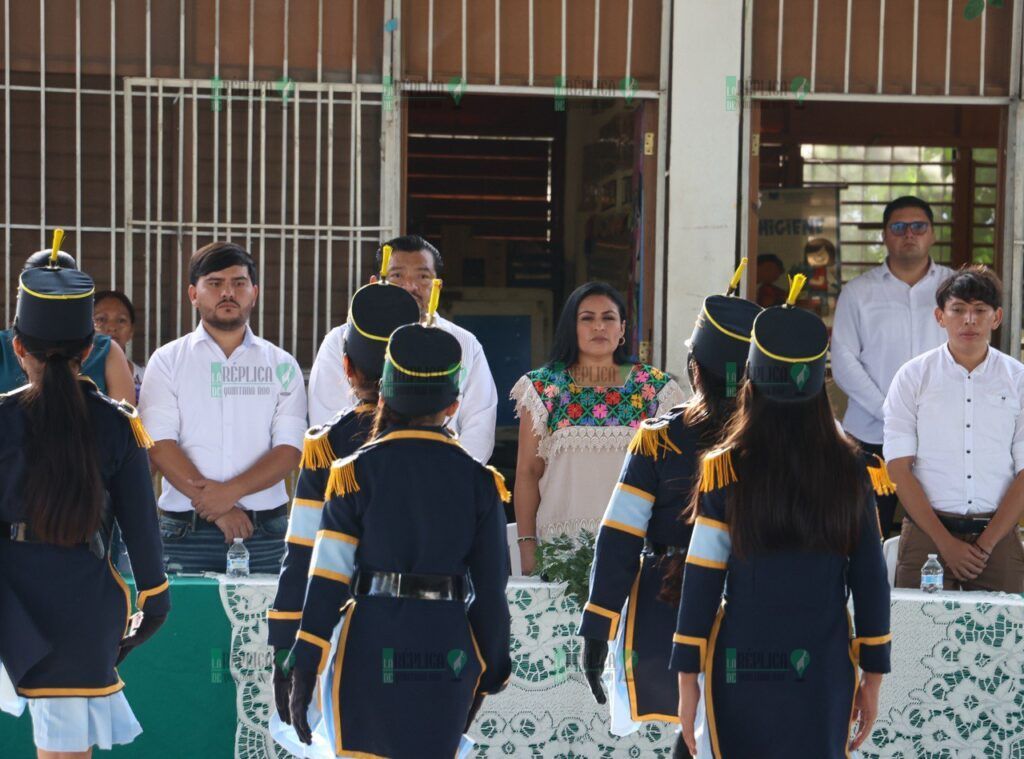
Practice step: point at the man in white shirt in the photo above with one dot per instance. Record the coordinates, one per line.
(954, 441)
(227, 410)
(413, 266)
(883, 319)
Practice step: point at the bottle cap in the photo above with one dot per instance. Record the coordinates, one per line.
(930, 556)
(238, 540)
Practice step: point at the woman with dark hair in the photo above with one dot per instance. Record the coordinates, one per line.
(375, 312)
(74, 462)
(642, 540)
(785, 517)
(577, 414)
(114, 316)
(411, 549)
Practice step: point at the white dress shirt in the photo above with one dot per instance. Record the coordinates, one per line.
(224, 413)
(964, 429)
(881, 323)
(474, 421)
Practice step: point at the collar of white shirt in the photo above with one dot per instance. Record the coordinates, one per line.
(199, 334)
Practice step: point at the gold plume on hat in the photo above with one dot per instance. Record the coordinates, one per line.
(385, 260)
(734, 283)
(58, 238)
(435, 298)
(796, 284)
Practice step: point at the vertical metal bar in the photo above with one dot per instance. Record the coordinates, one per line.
(430, 40)
(1017, 62)
(846, 54)
(352, 191)
(113, 144)
(160, 218)
(248, 132)
(497, 42)
(195, 179)
(296, 107)
(7, 162)
(263, 202)
(814, 45)
(563, 43)
(629, 45)
(465, 78)
(913, 53)
(316, 202)
(229, 149)
(597, 38)
(216, 105)
(981, 57)
(949, 41)
(129, 281)
(778, 43)
(530, 32)
(355, 42)
(660, 201)
(881, 45)
(284, 188)
(180, 218)
(42, 124)
(358, 105)
(329, 261)
(78, 131)
(129, 183)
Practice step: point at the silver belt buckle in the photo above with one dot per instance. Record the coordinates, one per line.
(18, 530)
(385, 584)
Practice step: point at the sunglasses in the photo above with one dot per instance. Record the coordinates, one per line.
(899, 228)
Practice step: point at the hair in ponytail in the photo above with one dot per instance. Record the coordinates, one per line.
(63, 489)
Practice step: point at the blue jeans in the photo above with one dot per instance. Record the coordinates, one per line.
(191, 544)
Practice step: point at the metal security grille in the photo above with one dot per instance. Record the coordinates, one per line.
(277, 167)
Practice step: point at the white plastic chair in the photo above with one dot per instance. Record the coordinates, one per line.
(890, 550)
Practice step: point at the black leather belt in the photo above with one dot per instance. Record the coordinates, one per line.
(662, 549)
(965, 525)
(404, 585)
(255, 516)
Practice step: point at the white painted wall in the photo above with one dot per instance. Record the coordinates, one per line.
(704, 138)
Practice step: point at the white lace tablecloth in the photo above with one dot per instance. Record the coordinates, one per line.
(956, 691)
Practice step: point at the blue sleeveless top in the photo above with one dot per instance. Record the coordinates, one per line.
(12, 376)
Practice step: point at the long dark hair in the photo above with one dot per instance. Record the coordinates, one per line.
(800, 481)
(63, 490)
(707, 411)
(386, 416)
(566, 347)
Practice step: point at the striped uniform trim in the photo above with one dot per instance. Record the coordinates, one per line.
(144, 595)
(323, 645)
(629, 510)
(611, 615)
(304, 521)
(877, 640)
(276, 614)
(334, 556)
(710, 544)
(689, 640)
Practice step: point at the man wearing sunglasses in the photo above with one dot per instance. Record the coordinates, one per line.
(883, 319)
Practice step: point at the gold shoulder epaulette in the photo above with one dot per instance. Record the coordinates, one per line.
(142, 438)
(880, 480)
(317, 452)
(716, 470)
(499, 483)
(651, 439)
(342, 479)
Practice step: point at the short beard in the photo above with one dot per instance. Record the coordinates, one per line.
(226, 325)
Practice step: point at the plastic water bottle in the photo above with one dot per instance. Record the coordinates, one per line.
(238, 559)
(931, 574)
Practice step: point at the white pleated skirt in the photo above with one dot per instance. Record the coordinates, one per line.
(74, 723)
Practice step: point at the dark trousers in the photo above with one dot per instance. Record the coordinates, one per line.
(193, 545)
(886, 503)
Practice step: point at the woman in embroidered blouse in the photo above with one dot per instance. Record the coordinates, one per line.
(577, 414)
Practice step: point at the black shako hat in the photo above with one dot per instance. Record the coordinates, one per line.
(55, 303)
(787, 350)
(721, 338)
(375, 312)
(422, 366)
